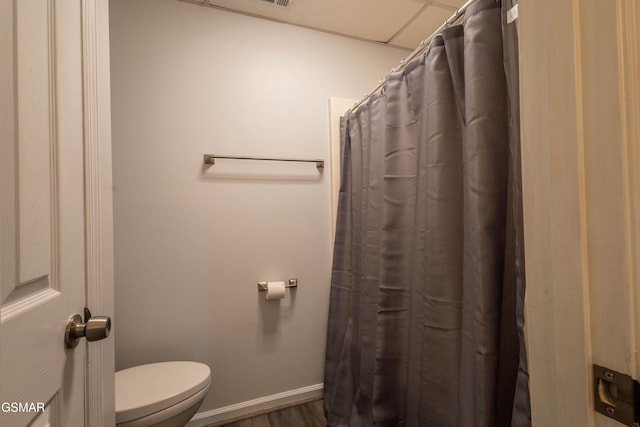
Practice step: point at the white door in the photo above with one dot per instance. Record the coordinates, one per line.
(580, 93)
(43, 272)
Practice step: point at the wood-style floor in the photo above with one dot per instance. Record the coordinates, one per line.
(307, 415)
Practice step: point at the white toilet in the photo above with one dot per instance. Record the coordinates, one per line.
(165, 394)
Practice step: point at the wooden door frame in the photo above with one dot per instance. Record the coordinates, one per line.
(629, 19)
(100, 370)
(557, 160)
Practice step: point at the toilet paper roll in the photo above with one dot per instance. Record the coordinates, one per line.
(275, 290)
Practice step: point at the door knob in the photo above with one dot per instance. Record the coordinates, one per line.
(93, 328)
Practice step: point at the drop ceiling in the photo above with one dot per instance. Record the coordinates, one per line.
(402, 23)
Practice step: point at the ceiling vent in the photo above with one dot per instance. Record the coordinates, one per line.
(283, 3)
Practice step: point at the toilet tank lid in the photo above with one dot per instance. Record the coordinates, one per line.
(146, 389)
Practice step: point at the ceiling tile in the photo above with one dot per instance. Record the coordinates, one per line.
(422, 27)
(376, 20)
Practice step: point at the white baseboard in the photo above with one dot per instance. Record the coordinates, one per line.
(257, 406)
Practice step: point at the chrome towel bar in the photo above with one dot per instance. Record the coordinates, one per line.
(210, 159)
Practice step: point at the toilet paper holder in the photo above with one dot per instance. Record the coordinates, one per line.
(292, 283)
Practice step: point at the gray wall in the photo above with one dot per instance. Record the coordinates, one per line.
(191, 242)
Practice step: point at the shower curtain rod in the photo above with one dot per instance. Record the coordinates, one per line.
(417, 51)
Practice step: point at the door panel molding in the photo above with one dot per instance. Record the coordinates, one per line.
(13, 309)
(30, 243)
(8, 258)
(36, 130)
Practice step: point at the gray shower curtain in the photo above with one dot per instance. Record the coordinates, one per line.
(423, 320)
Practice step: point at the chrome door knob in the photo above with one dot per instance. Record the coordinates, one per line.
(93, 328)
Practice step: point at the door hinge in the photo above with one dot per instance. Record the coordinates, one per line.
(616, 395)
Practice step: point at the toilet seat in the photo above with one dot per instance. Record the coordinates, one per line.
(147, 389)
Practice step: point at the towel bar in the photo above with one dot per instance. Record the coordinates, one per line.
(210, 159)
